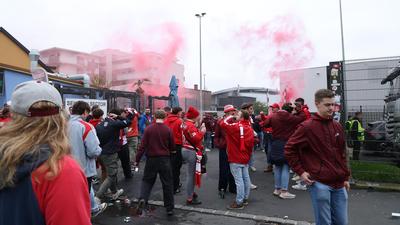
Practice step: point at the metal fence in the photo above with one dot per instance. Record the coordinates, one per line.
(379, 102)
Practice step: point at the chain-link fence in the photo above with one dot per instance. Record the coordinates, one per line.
(373, 88)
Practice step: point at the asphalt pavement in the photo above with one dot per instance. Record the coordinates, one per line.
(365, 207)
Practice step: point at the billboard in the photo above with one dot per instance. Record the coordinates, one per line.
(335, 84)
(101, 103)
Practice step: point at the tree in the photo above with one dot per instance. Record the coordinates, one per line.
(259, 106)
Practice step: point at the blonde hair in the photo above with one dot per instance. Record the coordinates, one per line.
(23, 135)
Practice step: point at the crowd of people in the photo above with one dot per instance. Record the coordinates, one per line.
(50, 159)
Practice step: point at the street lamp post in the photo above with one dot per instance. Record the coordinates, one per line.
(200, 15)
(343, 63)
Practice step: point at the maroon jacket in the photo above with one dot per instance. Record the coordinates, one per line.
(318, 147)
(157, 141)
(283, 124)
(219, 138)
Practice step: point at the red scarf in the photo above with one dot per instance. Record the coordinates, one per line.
(197, 177)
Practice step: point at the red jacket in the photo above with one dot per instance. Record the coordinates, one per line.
(306, 111)
(94, 122)
(174, 122)
(133, 129)
(239, 146)
(194, 135)
(283, 124)
(318, 147)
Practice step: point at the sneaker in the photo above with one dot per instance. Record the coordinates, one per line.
(97, 200)
(253, 169)
(253, 187)
(195, 195)
(287, 195)
(116, 195)
(170, 212)
(194, 201)
(268, 169)
(276, 192)
(177, 191)
(234, 205)
(245, 202)
(300, 187)
(296, 178)
(101, 209)
(208, 150)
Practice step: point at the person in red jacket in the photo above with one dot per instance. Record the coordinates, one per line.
(240, 143)
(283, 124)
(133, 137)
(192, 153)
(97, 117)
(5, 116)
(40, 182)
(300, 106)
(316, 151)
(174, 122)
(268, 135)
(225, 176)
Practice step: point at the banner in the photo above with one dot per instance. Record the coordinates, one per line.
(101, 103)
(335, 84)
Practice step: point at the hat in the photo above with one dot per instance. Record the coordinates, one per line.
(229, 108)
(246, 105)
(28, 93)
(275, 106)
(192, 113)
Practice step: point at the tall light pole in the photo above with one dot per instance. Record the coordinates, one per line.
(200, 15)
(343, 63)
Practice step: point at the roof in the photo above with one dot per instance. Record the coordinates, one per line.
(44, 66)
(248, 89)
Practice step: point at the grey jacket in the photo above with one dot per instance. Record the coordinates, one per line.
(84, 150)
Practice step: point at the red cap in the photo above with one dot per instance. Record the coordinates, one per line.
(275, 106)
(192, 113)
(229, 108)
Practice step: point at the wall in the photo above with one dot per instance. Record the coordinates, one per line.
(12, 79)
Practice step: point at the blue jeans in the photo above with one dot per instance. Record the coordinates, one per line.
(281, 175)
(207, 139)
(93, 204)
(268, 146)
(240, 173)
(330, 205)
(251, 162)
(260, 136)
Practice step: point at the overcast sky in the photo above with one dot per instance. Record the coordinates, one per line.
(371, 29)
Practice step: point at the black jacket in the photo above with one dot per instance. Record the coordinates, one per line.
(108, 132)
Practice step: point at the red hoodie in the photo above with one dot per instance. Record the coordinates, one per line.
(194, 135)
(306, 111)
(239, 144)
(283, 124)
(174, 122)
(318, 147)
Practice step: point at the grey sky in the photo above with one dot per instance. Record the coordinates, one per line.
(370, 26)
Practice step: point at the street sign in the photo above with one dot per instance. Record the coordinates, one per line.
(69, 102)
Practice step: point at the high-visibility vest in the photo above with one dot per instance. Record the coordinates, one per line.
(360, 130)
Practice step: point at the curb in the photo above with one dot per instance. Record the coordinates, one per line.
(258, 218)
(376, 186)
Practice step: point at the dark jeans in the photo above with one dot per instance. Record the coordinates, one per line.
(124, 157)
(161, 166)
(356, 149)
(176, 163)
(89, 181)
(268, 144)
(225, 175)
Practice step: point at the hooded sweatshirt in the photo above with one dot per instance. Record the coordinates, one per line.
(318, 147)
(283, 124)
(38, 200)
(174, 122)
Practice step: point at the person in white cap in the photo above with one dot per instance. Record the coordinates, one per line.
(40, 183)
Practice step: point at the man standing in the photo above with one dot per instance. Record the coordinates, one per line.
(317, 151)
(268, 135)
(85, 147)
(109, 131)
(174, 122)
(249, 108)
(133, 136)
(240, 144)
(225, 175)
(145, 120)
(357, 134)
(157, 143)
(301, 107)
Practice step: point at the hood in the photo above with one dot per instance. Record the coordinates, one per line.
(75, 117)
(316, 116)
(172, 118)
(31, 161)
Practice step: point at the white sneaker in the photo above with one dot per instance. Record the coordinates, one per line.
(208, 150)
(287, 195)
(296, 178)
(252, 168)
(300, 187)
(253, 187)
(276, 192)
(97, 200)
(117, 194)
(101, 209)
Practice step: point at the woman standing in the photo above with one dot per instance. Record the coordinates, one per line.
(192, 153)
(40, 183)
